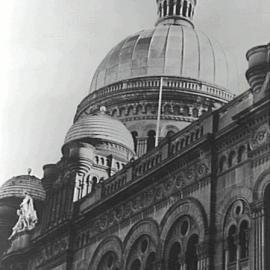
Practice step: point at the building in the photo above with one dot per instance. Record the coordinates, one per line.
(199, 200)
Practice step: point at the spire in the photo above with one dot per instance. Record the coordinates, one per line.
(175, 11)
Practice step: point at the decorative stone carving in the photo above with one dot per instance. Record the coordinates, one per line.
(27, 217)
(260, 136)
(51, 250)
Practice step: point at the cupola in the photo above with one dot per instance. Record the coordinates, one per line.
(175, 11)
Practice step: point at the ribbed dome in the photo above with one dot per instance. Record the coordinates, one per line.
(167, 50)
(103, 127)
(16, 186)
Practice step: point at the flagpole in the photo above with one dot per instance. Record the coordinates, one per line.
(159, 111)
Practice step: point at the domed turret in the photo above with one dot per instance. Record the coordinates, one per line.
(97, 146)
(11, 194)
(101, 127)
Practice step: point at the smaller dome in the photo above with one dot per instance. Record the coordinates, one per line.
(16, 186)
(102, 127)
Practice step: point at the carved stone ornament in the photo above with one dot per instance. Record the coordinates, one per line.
(27, 217)
(51, 250)
(260, 136)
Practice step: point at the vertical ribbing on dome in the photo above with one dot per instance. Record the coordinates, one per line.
(175, 11)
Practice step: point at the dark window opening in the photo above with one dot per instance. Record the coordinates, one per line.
(150, 262)
(151, 140)
(195, 112)
(185, 9)
(135, 140)
(189, 10)
(171, 7)
(178, 7)
(244, 240)
(173, 262)
(241, 153)
(94, 183)
(165, 8)
(222, 164)
(170, 133)
(232, 248)
(231, 159)
(191, 253)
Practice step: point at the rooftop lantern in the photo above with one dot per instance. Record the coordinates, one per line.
(175, 11)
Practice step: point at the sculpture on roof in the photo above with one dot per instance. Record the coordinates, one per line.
(27, 216)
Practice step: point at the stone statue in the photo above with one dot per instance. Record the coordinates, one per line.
(27, 216)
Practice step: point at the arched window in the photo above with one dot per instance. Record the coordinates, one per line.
(134, 136)
(102, 161)
(232, 248)
(222, 163)
(178, 7)
(195, 112)
(267, 225)
(186, 111)
(142, 255)
(94, 183)
(191, 253)
(151, 140)
(109, 262)
(173, 262)
(231, 159)
(165, 8)
(241, 153)
(170, 133)
(171, 7)
(244, 240)
(185, 7)
(87, 184)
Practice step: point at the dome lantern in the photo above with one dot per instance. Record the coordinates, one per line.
(175, 11)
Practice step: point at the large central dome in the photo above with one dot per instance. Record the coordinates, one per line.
(167, 50)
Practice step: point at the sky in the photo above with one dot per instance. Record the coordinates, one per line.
(50, 49)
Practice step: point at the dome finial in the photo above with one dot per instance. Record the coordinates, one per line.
(175, 11)
(29, 171)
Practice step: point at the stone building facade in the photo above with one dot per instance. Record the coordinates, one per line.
(199, 200)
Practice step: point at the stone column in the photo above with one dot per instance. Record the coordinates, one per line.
(181, 8)
(226, 248)
(182, 262)
(174, 7)
(259, 235)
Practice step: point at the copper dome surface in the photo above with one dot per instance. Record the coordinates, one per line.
(16, 186)
(167, 50)
(103, 127)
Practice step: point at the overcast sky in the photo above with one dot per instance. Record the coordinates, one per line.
(50, 49)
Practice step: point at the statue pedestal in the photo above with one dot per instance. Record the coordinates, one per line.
(20, 241)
